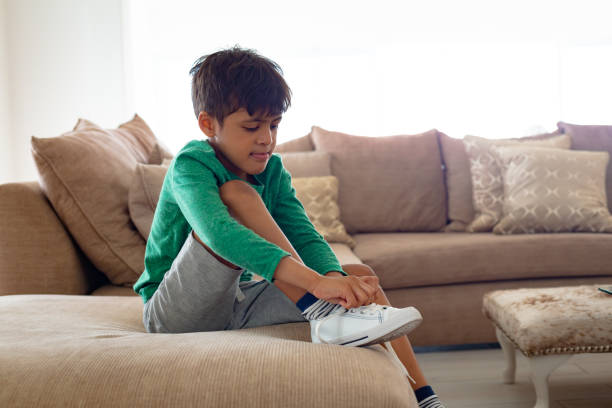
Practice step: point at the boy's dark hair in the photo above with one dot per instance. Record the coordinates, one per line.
(235, 78)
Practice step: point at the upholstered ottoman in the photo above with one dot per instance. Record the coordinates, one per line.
(548, 325)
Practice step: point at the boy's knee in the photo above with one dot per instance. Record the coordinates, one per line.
(358, 269)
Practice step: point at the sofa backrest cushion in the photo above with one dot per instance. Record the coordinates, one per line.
(301, 144)
(86, 174)
(592, 137)
(391, 183)
(458, 179)
(307, 163)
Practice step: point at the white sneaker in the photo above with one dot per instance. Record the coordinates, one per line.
(364, 325)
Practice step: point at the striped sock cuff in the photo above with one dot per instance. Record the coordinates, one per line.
(319, 309)
(423, 393)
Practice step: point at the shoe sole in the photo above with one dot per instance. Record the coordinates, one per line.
(393, 334)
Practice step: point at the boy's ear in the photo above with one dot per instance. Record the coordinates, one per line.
(206, 123)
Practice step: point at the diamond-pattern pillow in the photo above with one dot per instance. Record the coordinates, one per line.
(319, 196)
(553, 190)
(487, 184)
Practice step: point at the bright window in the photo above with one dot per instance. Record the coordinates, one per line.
(492, 69)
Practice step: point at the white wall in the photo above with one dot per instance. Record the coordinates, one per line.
(65, 61)
(6, 166)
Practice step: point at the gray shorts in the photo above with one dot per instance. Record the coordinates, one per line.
(199, 293)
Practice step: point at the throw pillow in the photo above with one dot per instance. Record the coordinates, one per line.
(487, 183)
(319, 196)
(85, 173)
(144, 194)
(458, 181)
(592, 137)
(159, 154)
(553, 190)
(390, 183)
(307, 164)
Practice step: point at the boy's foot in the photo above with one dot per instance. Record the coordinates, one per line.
(364, 325)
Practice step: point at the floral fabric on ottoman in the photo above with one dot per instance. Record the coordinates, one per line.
(563, 320)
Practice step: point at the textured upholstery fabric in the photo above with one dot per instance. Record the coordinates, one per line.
(487, 183)
(592, 137)
(143, 194)
(392, 183)
(300, 144)
(307, 164)
(452, 313)
(159, 154)
(553, 190)
(94, 351)
(458, 180)
(417, 259)
(37, 254)
(562, 320)
(319, 196)
(86, 174)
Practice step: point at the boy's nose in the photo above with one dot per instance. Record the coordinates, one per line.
(265, 136)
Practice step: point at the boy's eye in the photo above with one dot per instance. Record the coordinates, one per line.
(255, 128)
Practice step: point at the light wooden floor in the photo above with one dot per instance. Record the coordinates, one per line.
(472, 379)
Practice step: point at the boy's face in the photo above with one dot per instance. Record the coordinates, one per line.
(242, 135)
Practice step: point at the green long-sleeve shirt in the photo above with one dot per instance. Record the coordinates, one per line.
(189, 200)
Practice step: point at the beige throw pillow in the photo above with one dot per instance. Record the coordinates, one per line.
(144, 194)
(86, 173)
(487, 183)
(553, 190)
(319, 196)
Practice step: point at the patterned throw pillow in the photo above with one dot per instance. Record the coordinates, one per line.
(319, 196)
(553, 190)
(487, 183)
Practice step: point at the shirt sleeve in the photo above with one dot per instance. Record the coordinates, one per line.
(197, 194)
(290, 215)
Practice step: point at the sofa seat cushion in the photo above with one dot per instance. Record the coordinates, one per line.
(94, 351)
(417, 259)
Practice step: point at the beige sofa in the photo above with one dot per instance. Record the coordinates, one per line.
(406, 203)
(70, 336)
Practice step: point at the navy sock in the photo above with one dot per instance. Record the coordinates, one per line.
(306, 301)
(423, 393)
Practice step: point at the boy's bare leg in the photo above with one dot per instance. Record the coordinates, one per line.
(401, 345)
(247, 207)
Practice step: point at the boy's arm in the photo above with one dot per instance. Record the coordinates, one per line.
(291, 217)
(197, 194)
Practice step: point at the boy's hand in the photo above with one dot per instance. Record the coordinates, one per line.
(348, 291)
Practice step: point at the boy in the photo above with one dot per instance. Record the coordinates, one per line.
(227, 209)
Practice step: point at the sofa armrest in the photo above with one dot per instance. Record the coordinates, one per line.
(37, 254)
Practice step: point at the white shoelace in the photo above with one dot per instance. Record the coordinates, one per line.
(370, 309)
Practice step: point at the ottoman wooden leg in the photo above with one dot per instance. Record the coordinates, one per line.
(541, 368)
(510, 353)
